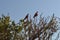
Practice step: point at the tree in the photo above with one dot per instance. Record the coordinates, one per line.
(28, 29)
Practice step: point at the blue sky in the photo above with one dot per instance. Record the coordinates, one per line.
(17, 9)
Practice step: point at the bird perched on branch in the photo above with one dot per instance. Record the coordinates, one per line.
(26, 17)
(36, 14)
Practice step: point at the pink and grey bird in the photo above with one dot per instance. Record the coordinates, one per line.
(35, 15)
(26, 17)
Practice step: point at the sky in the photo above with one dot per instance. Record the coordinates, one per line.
(17, 9)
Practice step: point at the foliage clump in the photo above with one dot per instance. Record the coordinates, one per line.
(28, 28)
